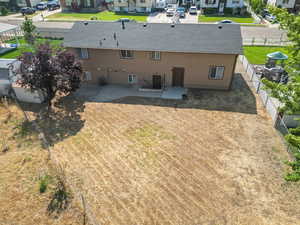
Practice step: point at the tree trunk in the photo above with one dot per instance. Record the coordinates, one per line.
(28, 3)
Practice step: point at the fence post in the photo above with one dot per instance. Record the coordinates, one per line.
(257, 90)
(252, 75)
(267, 99)
(265, 41)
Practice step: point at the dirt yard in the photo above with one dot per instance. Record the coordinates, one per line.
(213, 159)
(22, 164)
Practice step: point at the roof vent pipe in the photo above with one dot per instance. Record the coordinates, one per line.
(173, 24)
(220, 27)
(123, 25)
(115, 36)
(145, 25)
(85, 23)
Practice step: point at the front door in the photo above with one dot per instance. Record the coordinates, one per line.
(156, 81)
(178, 77)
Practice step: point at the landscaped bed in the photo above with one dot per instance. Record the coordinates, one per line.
(106, 15)
(216, 18)
(25, 48)
(258, 54)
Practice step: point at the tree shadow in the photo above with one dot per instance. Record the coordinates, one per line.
(239, 98)
(63, 120)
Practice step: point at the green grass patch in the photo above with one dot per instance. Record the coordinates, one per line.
(216, 18)
(25, 48)
(258, 54)
(106, 15)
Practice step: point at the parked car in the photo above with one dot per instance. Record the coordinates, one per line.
(41, 6)
(265, 12)
(270, 18)
(170, 11)
(52, 5)
(181, 12)
(226, 21)
(193, 10)
(27, 10)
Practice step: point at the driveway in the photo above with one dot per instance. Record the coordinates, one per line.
(161, 17)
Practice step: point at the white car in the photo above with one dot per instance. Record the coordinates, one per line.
(193, 10)
(170, 11)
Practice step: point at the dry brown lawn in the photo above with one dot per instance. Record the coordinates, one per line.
(213, 159)
(22, 165)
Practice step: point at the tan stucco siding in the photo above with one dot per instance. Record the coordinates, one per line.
(108, 64)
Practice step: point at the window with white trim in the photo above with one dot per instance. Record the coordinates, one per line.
(132, 79)
(235, 1)
(87, 76)
(83, 53)
(216, 72)
(155, 55)
(126, 54)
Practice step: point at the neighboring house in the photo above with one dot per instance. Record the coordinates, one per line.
(220, 4)
(134, 5)
(157, 55)
(292, 5)
(81, 5)
(21, 3)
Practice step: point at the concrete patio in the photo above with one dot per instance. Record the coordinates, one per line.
(109, 93)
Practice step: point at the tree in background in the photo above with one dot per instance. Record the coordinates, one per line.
(28, 28)
(3, 11)
(257, 5)
(50, 70)
(289, 94)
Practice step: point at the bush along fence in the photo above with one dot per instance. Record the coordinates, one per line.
(272, 105)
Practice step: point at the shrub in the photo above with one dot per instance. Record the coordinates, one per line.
(44, 181)
(4, 11)
(94, 18)
(210, 11)
(228, 11)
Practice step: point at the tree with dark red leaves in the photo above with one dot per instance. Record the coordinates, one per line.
(50, 70)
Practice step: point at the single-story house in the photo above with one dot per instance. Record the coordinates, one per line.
(157, 55)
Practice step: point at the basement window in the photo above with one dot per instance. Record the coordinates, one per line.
(216, 72)
(132, 79)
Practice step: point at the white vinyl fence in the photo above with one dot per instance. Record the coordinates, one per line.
(271, 104)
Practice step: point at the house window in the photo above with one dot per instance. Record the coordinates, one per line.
(83, 53)
(155, 55)
(87, 76)
(142, 1)
(126, 54)
(285, 1)
(235, 1)
(211, 2)
(216, 72)
(132, 79)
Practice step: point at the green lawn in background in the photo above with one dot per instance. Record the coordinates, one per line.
(106, 15)
(25, 48)
(258, 54)
(216, 18)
